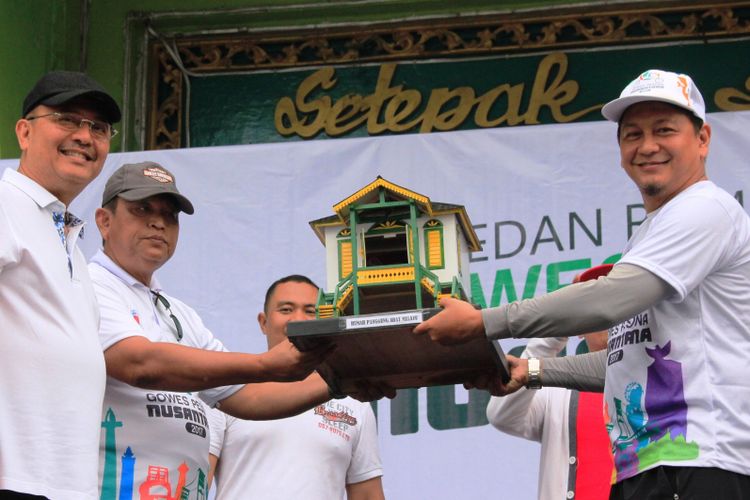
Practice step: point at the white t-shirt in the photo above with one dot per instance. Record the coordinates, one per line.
(152, 442)
(51, 364)
(311, 456)
(677, 386)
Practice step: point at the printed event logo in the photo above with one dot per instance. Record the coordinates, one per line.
(331, 416)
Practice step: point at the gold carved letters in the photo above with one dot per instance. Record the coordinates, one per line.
(394, 109)
(729, 99)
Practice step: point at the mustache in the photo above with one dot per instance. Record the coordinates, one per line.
(88, 151)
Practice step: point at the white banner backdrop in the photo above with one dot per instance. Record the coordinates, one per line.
(547, 201)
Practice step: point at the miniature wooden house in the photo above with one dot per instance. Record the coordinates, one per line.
(391, 249)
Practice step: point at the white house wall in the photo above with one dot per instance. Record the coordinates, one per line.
(449, 243)
(332, 257)
(453, 239)
(464, 255)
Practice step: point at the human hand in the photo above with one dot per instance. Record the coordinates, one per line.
(372, 391)
(458, 323)
(285, 363)
(492, 383)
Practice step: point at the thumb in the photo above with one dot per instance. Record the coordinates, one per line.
(422, 327)
(446, 301)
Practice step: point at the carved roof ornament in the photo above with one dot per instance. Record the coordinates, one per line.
(525, 32)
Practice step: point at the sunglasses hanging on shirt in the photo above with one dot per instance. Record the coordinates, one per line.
(160, 299)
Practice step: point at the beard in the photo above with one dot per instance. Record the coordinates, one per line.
(652, 189)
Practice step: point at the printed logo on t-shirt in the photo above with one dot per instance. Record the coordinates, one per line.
(126, 476)
(633, 331)
(652, 423)
(135, 316)
(336, 418)
(179, 406)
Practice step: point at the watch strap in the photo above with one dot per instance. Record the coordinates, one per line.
(535, 374)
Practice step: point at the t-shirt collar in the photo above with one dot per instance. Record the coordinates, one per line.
(41, 196)
(103, 260)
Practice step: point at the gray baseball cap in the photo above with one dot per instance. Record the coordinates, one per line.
(137, 181)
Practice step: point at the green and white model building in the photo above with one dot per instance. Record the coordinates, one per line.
(390, 249)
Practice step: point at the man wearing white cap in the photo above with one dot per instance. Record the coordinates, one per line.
(677, 306)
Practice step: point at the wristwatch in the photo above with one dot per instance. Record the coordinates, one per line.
(535, 374)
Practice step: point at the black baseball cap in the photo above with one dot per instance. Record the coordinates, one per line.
(58, 87)
(138, 181)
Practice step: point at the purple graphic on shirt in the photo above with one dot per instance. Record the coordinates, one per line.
(665, 398)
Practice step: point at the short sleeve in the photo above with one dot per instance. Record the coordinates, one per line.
(687, 240)
(199, 336)
(117, 321)
(365, 462)
(8, 242)
(217, 424)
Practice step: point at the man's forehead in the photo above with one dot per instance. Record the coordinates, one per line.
(290, 292)
(288, 301)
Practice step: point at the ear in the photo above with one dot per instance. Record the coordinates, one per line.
(23, 130)
(704, 139)
(103, 219)
(262, 320)
(704, 136)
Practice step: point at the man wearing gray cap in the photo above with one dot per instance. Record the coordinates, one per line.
(51, 366)
(155, 433)
(677, 306)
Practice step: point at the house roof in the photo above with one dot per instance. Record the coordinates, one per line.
(370, 194)
(394, 192)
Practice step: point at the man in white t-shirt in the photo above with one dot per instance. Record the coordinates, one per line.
(677, 306)
(329, 452)
(154, 440)
(51, 365)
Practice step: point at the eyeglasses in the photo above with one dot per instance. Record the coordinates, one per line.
(101, 131)
(160, 299)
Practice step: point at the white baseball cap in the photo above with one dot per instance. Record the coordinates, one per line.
(658, 85)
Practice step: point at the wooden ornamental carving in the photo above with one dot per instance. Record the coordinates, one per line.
(455, 37)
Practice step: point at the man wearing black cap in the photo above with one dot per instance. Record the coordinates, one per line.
(156, 440)
(51, 365)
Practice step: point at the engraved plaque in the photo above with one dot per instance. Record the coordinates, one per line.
(381, 348)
